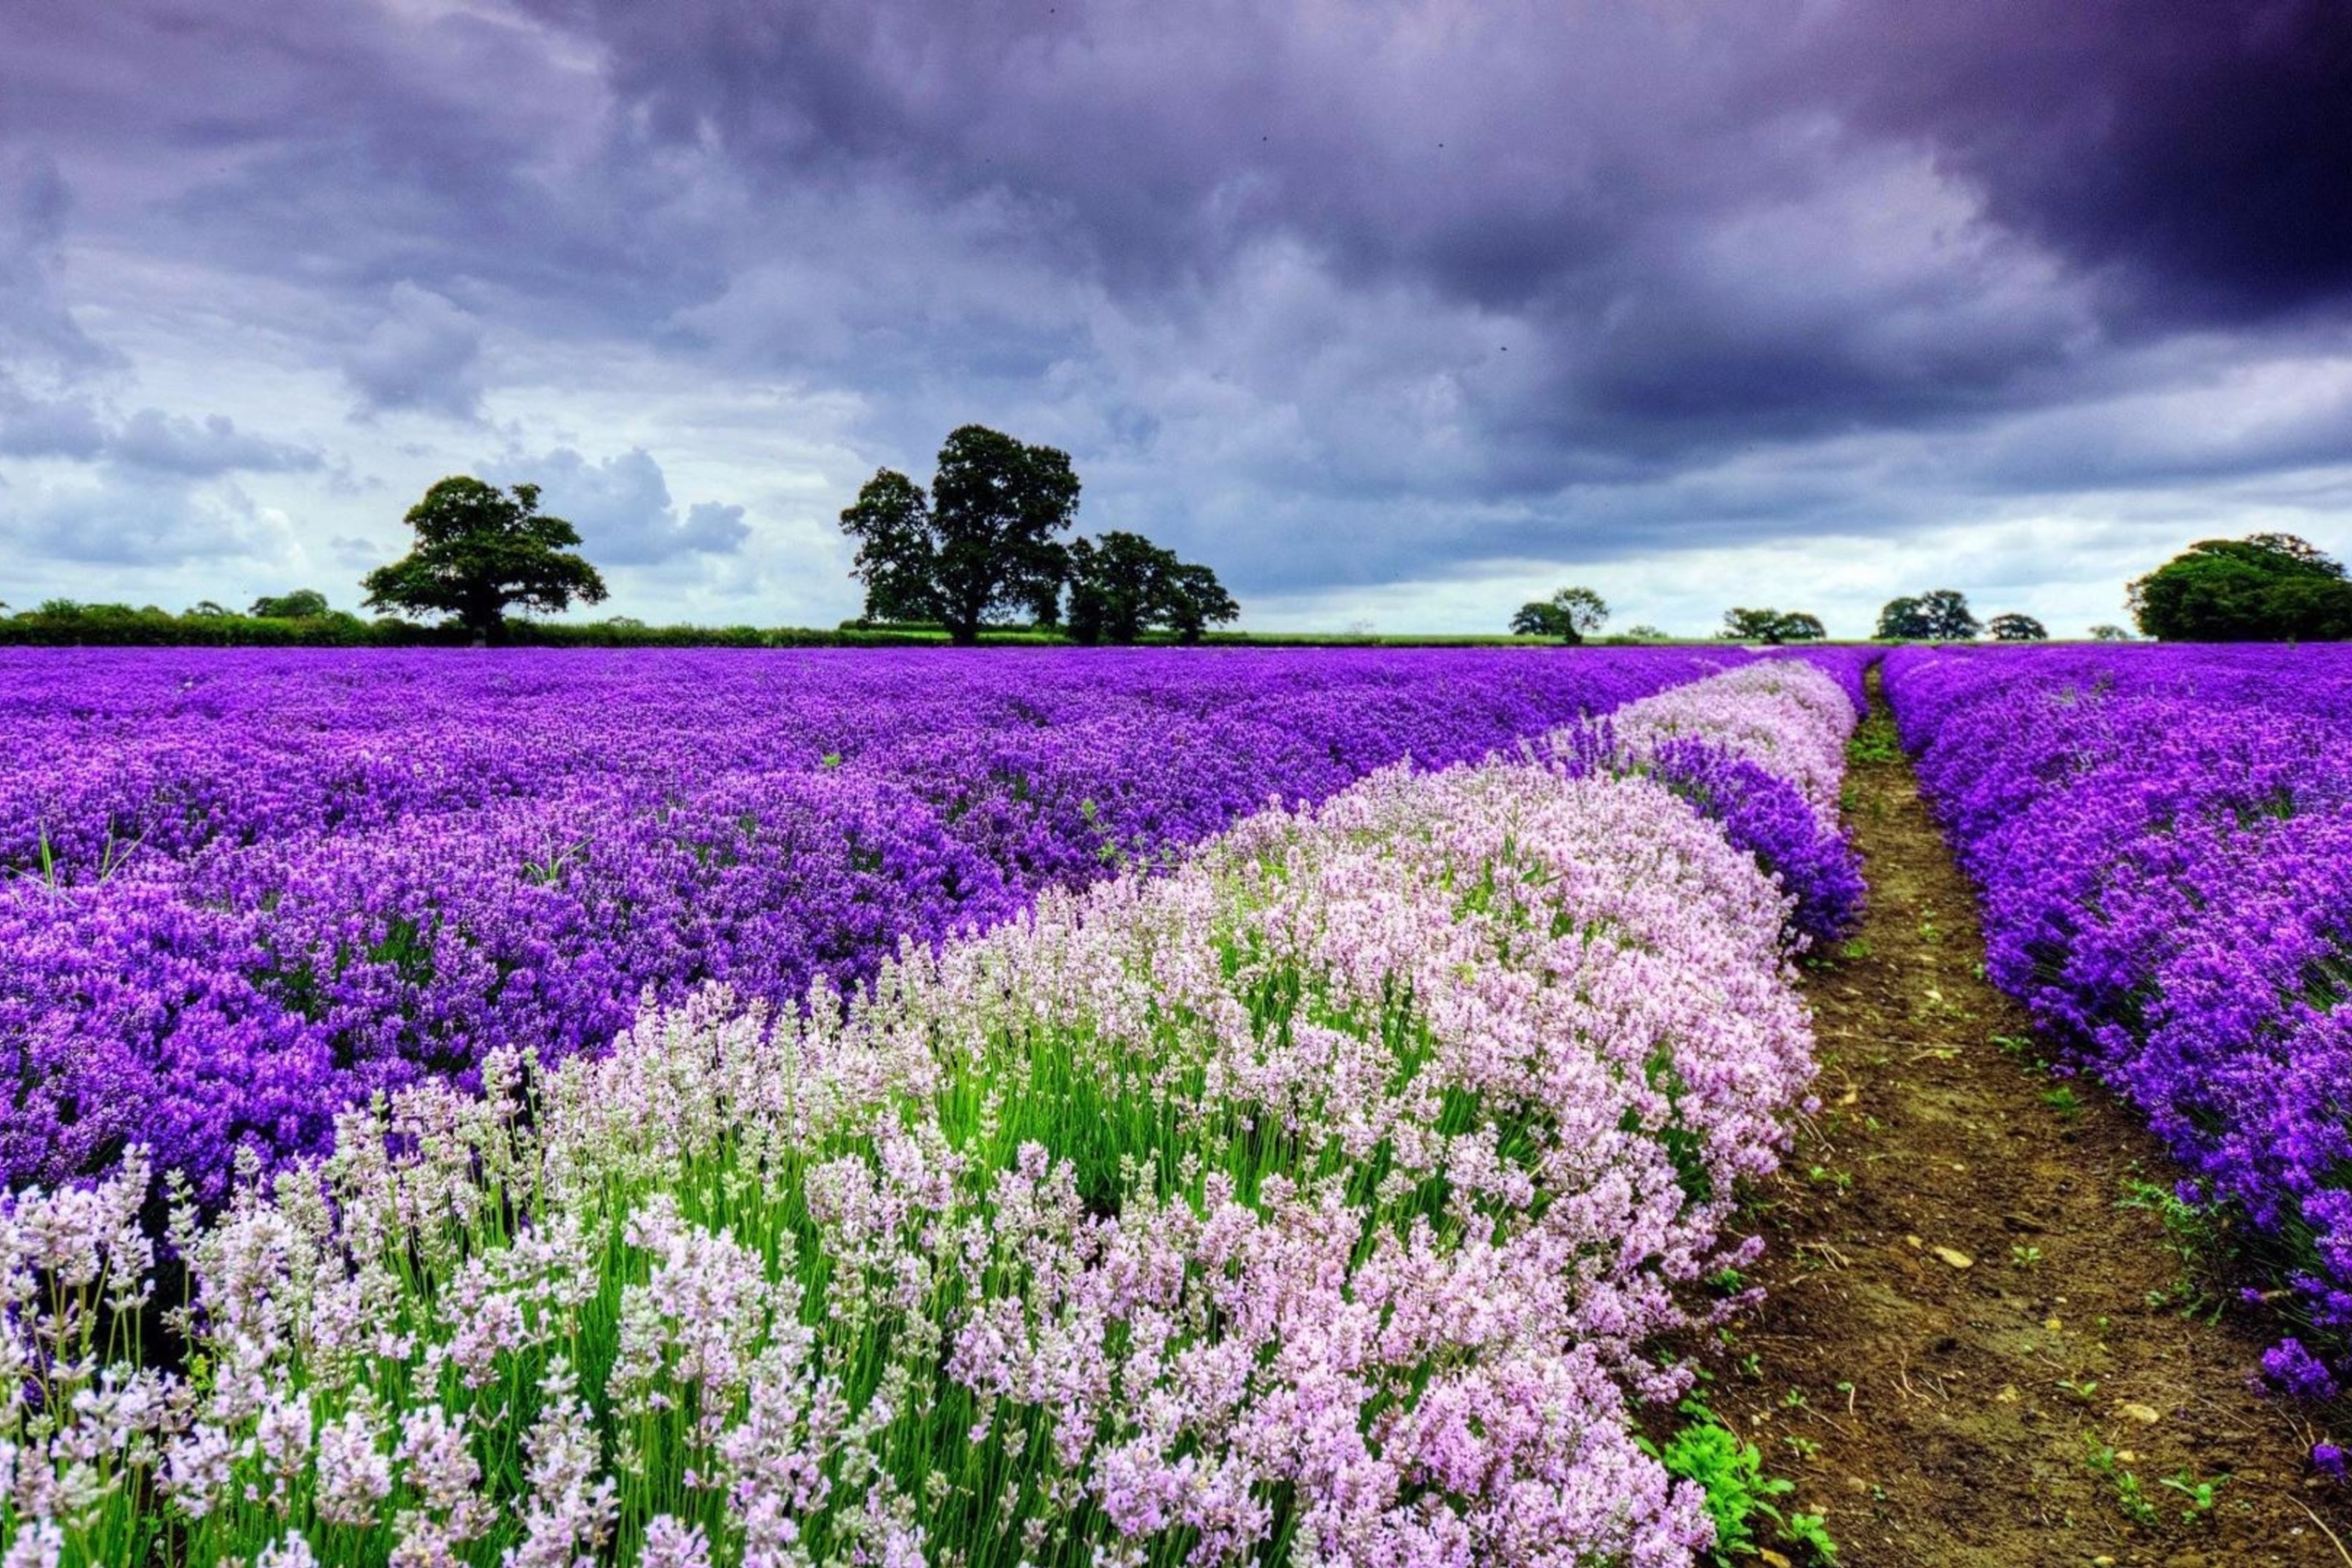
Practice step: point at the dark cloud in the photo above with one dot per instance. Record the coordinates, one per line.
(623, 509)
(1335, 294)
(2201, 149)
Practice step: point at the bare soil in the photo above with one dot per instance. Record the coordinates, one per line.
(1961, 1319)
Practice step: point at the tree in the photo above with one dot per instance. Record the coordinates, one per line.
(2266, 587)
(980, 544)
(1941, 615)
(480, 552)
(301, 604)
(1567, 616)
(2109, 634)
(2014, 627)
(1197, 601)
(1771, 626)
(207, 609)
(1122, 584)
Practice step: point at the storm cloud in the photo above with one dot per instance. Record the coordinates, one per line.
(1374, 307)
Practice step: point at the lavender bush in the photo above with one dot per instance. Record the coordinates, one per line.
(244, 890)
(1761, 753)
(1317, 1201)
(2163, 838)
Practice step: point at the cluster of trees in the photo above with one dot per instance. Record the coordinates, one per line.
(2265, 587)
(980, 547)
(1570, 615)
(1772, 626)
(1942, 615)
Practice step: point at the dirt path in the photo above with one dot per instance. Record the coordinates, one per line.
(1972, 1356)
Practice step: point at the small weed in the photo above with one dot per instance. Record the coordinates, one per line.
(1802, 1448)
(2128, 1493)
(2198, 1493)
(2199, 1236)
(2064, 1102)
(1855, 949)
(2023, 1257)
(2081, 1389)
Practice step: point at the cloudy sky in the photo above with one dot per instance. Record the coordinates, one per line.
(1395, 311)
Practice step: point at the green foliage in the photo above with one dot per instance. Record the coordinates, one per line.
(2014, 627)
(2201, 1238)
(1570, 615)
(980, 544)
(1123, 583)
(301, 604)
(1874, 741)
(65, 623)
(2130, 1496)
(2199, 1495)
(1739, 1491)
(1941, 615)
(479, 553)
(1773, 627)
(2266, 587)
(2109, 634)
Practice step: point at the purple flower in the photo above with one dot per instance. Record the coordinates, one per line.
(241, 889)
(2297, 1372)
(2163, 840)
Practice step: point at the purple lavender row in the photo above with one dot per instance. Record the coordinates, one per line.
(2163, 841)
(245, 889)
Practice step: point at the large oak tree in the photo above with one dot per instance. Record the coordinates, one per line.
(980, 545)
(481, 551)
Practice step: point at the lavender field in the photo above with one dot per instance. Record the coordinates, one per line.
(2163, 836)
(246, 890)
(975, 1109)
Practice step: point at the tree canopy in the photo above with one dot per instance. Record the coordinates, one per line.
(1772, 626)
(480, 552)
(1570, 615)
(978, 545)
(2014, 627)
(2266, 587)
(2109, 634)
(1122, 584)
(1941, 615)
(301, 604)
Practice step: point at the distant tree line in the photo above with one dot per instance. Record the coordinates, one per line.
(979, 552)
